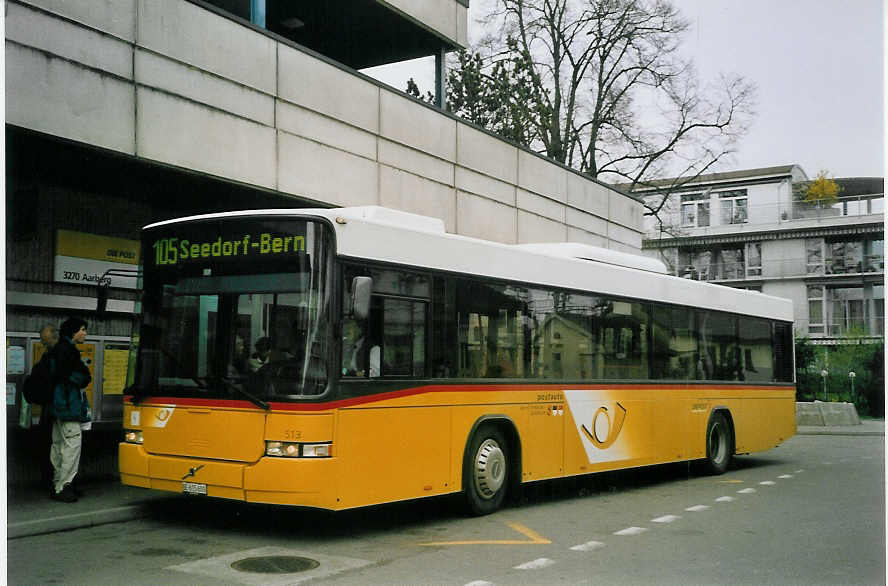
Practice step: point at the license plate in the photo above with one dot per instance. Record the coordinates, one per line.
(194, 488)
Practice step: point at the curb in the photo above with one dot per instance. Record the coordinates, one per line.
(840, 432)
(75, 521)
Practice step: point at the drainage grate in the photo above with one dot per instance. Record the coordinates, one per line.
(275, 564)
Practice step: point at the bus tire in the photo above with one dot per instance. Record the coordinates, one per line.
(719, 444)
(486, 470)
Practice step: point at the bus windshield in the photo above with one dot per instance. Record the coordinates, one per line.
(235, 308)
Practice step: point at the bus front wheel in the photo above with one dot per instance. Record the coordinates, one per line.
(719, 444)
(486, 470)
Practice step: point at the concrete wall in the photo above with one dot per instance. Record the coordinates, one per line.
(167, 81)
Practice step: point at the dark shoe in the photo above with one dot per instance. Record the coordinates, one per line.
(66, 496)
(75, 486)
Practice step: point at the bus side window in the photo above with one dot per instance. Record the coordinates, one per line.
(403, 337)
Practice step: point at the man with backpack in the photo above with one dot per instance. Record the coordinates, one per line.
(69, 407)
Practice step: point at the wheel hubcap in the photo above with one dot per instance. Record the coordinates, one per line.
(490, 469)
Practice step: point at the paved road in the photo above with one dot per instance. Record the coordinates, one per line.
(809, 512)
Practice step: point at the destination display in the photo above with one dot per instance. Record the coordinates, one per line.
(229, 247)
(173, 250)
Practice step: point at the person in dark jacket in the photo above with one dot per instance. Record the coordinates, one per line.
(69, 408)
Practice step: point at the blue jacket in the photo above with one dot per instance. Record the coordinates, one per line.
(69, 401)
(71, 376)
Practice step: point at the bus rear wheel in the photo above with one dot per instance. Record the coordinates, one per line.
(719, 444)
(486, 471)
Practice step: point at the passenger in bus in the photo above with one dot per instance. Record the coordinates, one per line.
(261, 356)
(358, 355)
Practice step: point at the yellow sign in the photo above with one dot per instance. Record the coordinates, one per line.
(114, 370)
(106, 248)
(87, 259)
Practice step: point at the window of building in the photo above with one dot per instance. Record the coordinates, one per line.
(874, 255)
(730, 263)
(695, 264)
(814, 256)
(836, 311)
(695, 210)
(753, 259)
(842, 256)
(847, 310)
(815, 310)
(733, 205)
(669, 256)
(720, 262)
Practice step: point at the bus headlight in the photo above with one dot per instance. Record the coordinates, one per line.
(133, 436)
(297, 450)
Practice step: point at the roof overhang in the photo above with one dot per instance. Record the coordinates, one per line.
(362, 33)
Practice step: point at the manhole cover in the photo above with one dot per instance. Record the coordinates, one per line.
(275, 564)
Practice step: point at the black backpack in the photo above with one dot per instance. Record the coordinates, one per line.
(39, 385)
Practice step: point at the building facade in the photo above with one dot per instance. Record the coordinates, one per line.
(120, 113)
(753, 229)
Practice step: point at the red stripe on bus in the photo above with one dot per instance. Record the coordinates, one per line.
(399, 394)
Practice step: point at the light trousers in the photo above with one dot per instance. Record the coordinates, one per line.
(65, 452)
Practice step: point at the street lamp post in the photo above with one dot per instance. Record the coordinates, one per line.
(823, 375)
(852, 375)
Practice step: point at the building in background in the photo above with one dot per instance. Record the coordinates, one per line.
(120, 113)
(753, 229)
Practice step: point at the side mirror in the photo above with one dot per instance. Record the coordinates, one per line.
(362, 287)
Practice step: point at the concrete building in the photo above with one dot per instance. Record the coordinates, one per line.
(752, 229)
(120, 113)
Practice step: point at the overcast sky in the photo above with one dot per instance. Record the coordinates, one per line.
(818, 66)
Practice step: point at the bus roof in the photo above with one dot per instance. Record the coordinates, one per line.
(381, 234)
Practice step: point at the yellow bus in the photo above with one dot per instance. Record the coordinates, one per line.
(347, 357)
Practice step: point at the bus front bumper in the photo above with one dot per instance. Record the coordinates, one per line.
(309, 482)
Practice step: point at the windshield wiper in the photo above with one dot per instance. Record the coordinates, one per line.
(239, 389)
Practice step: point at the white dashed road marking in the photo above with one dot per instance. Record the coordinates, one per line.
(746, 491)
(588, 546)
(666, 519)
(767, 483)
(799, 471)
(786, 476)
(697, 508)
(631, 531)
(480, 583)
(724, 499)
(536, 564)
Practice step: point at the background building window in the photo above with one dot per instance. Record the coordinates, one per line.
(730, 264)
(874, 256)
(733, 206)
(814, 256)
(695, 210)
(815, 310)
(695, 264)
(847, 310)
(754, 259)
(844, 256)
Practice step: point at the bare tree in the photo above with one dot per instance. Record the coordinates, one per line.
(599, 85)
